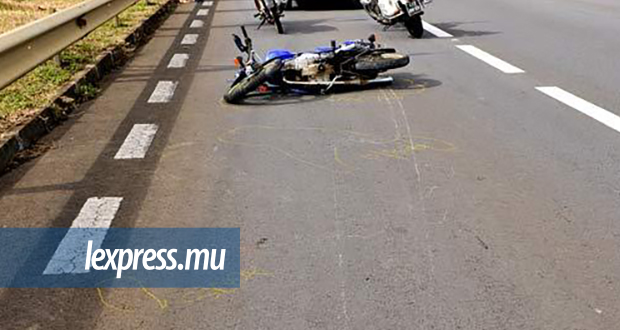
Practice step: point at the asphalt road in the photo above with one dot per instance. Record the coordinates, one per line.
(461, 197)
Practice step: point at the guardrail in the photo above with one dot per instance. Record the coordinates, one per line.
(24, 48)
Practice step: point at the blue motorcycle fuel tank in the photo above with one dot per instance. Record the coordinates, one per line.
(282, 54)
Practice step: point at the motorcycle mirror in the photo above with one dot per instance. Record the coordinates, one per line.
(248, 42)
(239, 43)
(334, 44)
(372, 38)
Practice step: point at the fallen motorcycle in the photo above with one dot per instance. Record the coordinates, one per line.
(392, 12)
(352, 64)
(271, 11)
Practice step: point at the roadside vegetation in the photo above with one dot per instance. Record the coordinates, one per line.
(21, 99)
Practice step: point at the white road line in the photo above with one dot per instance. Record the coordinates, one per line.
(137, 142)
(202, 12)
(437, 32)
(189, 39)
(178, 61)
(207, 3)
(70, 256)
(196, 24)
(490, 59)
(163, 93)
(601, 115)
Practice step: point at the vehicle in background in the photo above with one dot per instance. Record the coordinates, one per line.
(391, 12)
(271, 12)
(327, 4)
(339, 67)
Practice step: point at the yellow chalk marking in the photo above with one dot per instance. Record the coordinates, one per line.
(163, 303)
(218, 292)
(249, 274)
(105, 303)
(340, 162)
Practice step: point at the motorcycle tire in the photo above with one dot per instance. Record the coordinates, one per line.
(380, 62)
(415, 27)
(276, 20)
(258, 4)
(249, 84)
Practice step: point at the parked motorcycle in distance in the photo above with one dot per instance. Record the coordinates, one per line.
(354, 63)
(391, 12)
(271, 11)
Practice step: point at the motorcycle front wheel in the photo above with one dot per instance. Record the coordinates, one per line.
(415, 27)
(237, 92)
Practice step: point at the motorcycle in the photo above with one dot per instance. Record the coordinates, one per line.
(352, 64)
(391, 12)
(270, 11)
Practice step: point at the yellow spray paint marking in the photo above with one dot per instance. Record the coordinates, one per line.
(187, 299)
(251, 273)
(340, 162)
(398, 147)
(105, 303)
(162, 303)
(218, 292)
(194, 296)
(403, 149)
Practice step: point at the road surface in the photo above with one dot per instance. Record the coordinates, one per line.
(480, 191)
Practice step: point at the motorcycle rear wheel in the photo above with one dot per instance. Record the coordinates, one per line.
(380, 62)
(249, 84)
(276, 20)
(415, 27)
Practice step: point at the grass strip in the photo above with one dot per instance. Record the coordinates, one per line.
(35, 90)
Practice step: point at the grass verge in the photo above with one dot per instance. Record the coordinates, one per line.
(35, 90)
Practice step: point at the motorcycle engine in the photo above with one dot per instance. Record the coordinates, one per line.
(310, 67)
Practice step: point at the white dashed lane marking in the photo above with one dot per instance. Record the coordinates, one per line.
(178, 61)
(98, 213)
(597, 113)
(137, 142)
(189, 39)
(70, 256)
(196, 24)
(437, 32)
(490, 59)
(163, 93)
